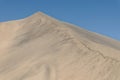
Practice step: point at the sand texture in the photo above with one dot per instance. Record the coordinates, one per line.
(40, 47)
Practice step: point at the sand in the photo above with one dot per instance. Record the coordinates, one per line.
(40, 47)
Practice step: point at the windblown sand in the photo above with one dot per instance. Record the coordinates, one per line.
(42, 48)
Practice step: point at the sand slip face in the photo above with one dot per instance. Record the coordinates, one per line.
(42, 48)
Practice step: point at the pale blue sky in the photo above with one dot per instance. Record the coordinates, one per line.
(101, 16)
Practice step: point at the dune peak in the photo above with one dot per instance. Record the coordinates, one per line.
(40, 47)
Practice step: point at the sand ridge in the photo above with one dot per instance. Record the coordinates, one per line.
(40, 47)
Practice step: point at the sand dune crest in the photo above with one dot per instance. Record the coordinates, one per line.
(40, 47)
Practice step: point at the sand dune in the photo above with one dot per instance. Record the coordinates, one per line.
(40, 47)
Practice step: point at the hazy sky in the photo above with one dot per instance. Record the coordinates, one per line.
(101, 16)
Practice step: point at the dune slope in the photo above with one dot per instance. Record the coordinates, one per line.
(42, 48)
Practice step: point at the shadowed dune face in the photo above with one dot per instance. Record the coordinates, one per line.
(42, 48)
